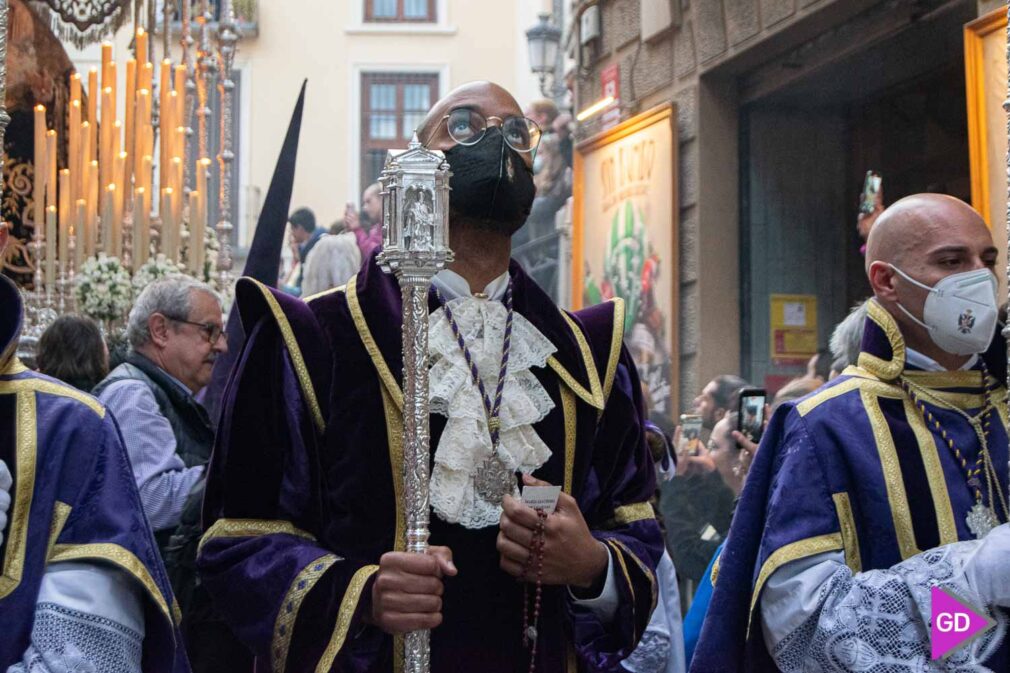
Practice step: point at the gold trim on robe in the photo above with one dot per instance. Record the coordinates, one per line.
(251, 528)
(850, 537)
(625, 514)
(25, 447)
(616, 342)
(887, 370)
(61, 512)
(122, 558)
(365, 334)
(292, 603)
(348, 606)
(788, 553)
(297, 360)
(570, 413)
(893, 479)
(46, 387)
(945, 523)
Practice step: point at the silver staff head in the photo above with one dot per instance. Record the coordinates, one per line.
(415, 211)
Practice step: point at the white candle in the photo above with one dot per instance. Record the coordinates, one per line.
(141, 228)
(51, 248)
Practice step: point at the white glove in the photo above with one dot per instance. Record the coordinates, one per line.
(987, 569)
(5, 497)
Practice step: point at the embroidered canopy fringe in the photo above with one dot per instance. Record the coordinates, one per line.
(83, 22)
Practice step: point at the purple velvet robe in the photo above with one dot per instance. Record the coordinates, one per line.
(852, 467)
(73, 499)
(305, 493)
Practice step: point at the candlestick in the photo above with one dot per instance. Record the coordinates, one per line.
(196, 235)
(74, 143)
(140, 51)
(51, 168)
(141, 227)
(39, 183)
(80, 232)
(94, 93)
(105, 155)
(50, 247)
(64, 214)
(108, 218)
(168, 229)
(91, 240)
(129, 129)
(75, 87)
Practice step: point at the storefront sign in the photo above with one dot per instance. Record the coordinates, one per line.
(793, 328)
(625, 241)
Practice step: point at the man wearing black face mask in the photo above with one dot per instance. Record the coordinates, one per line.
(306, 548)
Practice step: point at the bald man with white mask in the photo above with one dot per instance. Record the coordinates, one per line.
(887, 482)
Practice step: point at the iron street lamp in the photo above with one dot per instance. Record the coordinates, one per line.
(544, 40)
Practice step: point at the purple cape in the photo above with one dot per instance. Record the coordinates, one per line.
(305, 493)
(818, 484)
(73, 499)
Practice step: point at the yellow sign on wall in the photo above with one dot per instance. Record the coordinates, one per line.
(793, 328)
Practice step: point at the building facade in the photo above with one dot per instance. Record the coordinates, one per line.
(782, 106)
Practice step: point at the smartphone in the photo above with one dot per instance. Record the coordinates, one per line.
(871, 188)
(751, 413)
(690, 435)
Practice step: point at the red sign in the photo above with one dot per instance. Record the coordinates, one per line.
(610, 81)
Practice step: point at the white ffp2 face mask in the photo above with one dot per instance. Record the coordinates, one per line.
(960, 311)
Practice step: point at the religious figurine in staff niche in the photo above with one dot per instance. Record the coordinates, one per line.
(419, 203)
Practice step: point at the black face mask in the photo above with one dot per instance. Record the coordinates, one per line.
(491, 183)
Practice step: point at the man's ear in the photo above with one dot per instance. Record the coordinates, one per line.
(882, 280)
(719, 414)
(157, 327)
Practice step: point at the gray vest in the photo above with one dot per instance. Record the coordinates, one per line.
(194, 433)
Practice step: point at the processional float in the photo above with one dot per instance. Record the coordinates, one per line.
(132, 200)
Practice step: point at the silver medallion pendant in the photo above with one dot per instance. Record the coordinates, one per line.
(493, 480)
(981, 520)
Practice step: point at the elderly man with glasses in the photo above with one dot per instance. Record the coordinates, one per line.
(305, 549)
(175, 334)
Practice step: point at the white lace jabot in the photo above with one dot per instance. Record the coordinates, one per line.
(466, 442)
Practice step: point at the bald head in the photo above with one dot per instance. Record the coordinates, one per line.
(928, 237)
(915, 224)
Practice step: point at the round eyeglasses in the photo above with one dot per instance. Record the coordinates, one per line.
(467, 127)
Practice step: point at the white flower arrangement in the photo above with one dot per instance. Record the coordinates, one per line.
(154, 269)
(103, 289)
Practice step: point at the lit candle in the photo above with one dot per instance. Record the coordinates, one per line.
(147, 170)
(141, 228)
(180, 89)
(64, 216)
(74, 145)
(167, 225)
(51, 168)
(147, 76)
(119, 173)
(80, 232)
(115, 90)
(75, 87)
(108, 218)
(106, 60)
(129, 139)
(196, 235)
(50, 247)
(41, 173)
(85, 157)
(105, 155)
(169, 126)
(141, 46)
(92, 223)
(94, 93)
(177, 172)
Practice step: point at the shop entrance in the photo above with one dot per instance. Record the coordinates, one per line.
(896, 105)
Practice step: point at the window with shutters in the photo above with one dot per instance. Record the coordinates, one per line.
(392, 106)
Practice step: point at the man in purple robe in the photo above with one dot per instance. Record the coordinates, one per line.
(305, 505)
(887, 482)
(82, 587)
